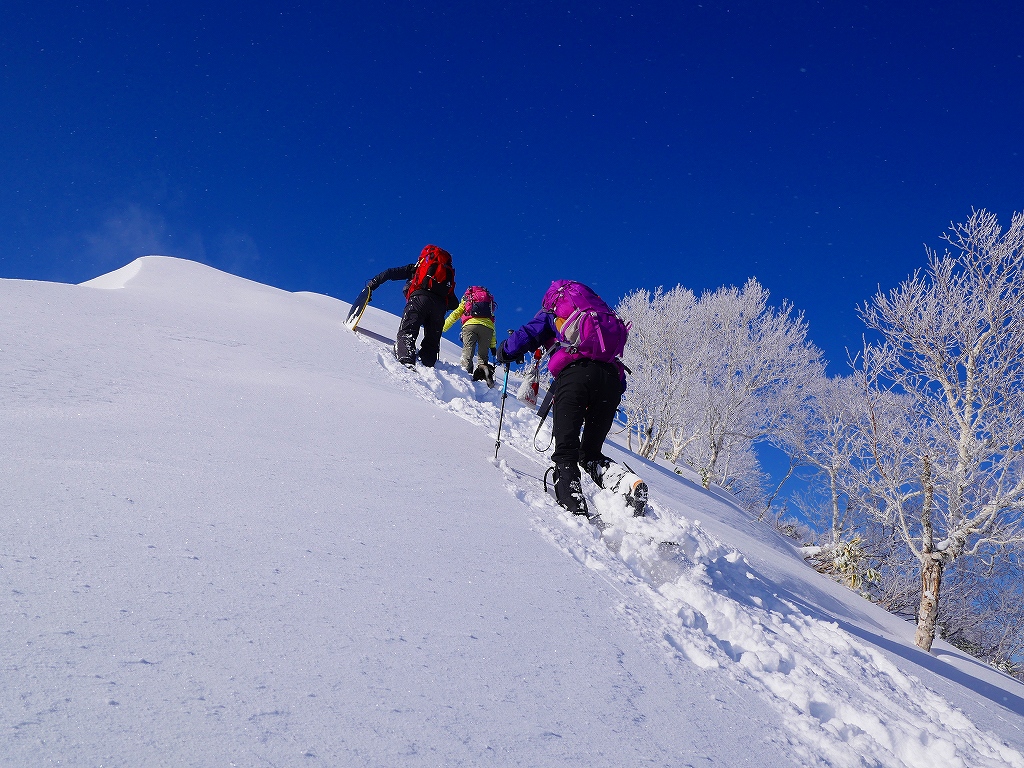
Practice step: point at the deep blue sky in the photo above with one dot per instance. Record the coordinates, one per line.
(813, 145)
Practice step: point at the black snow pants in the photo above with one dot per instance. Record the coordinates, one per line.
(423, 310)
(587, 395)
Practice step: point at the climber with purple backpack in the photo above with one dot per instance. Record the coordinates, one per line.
(586, 340)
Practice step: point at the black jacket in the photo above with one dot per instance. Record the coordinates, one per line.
(395, 273)
(450, 301)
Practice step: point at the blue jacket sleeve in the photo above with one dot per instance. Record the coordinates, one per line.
(539, 330)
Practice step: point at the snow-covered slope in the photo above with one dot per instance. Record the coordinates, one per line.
(235, 533)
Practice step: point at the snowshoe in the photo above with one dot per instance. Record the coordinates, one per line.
(618, 478)
(527, 392)
(355, 313)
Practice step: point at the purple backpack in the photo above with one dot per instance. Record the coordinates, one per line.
(587, 327)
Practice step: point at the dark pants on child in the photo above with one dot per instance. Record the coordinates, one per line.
(587, 395)
(423, 310)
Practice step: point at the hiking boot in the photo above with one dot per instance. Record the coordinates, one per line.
(596, 469)
(618, 478)
(407, 363)
(636, 498)
(568, 489)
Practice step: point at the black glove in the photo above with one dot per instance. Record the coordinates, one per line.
(500, 356)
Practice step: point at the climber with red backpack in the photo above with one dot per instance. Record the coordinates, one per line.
(476, 310)
(429, 293)
(586, 340)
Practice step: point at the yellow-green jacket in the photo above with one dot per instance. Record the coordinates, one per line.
(457, 313)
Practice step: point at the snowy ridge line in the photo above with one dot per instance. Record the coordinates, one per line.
(844, 703)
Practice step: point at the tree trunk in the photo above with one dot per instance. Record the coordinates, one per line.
(837, 518)
(648, 447)
(928, 612)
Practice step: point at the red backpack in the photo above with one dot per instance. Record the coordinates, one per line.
(434, 273)
(478, 303)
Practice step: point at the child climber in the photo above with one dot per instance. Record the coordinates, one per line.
(476, 310)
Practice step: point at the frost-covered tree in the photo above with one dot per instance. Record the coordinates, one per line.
(662, 358)
(983, 611)
(830, 439)
(947, 470)
(756, 373)
(711, 377)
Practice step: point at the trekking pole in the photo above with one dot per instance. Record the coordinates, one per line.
(501, 416)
